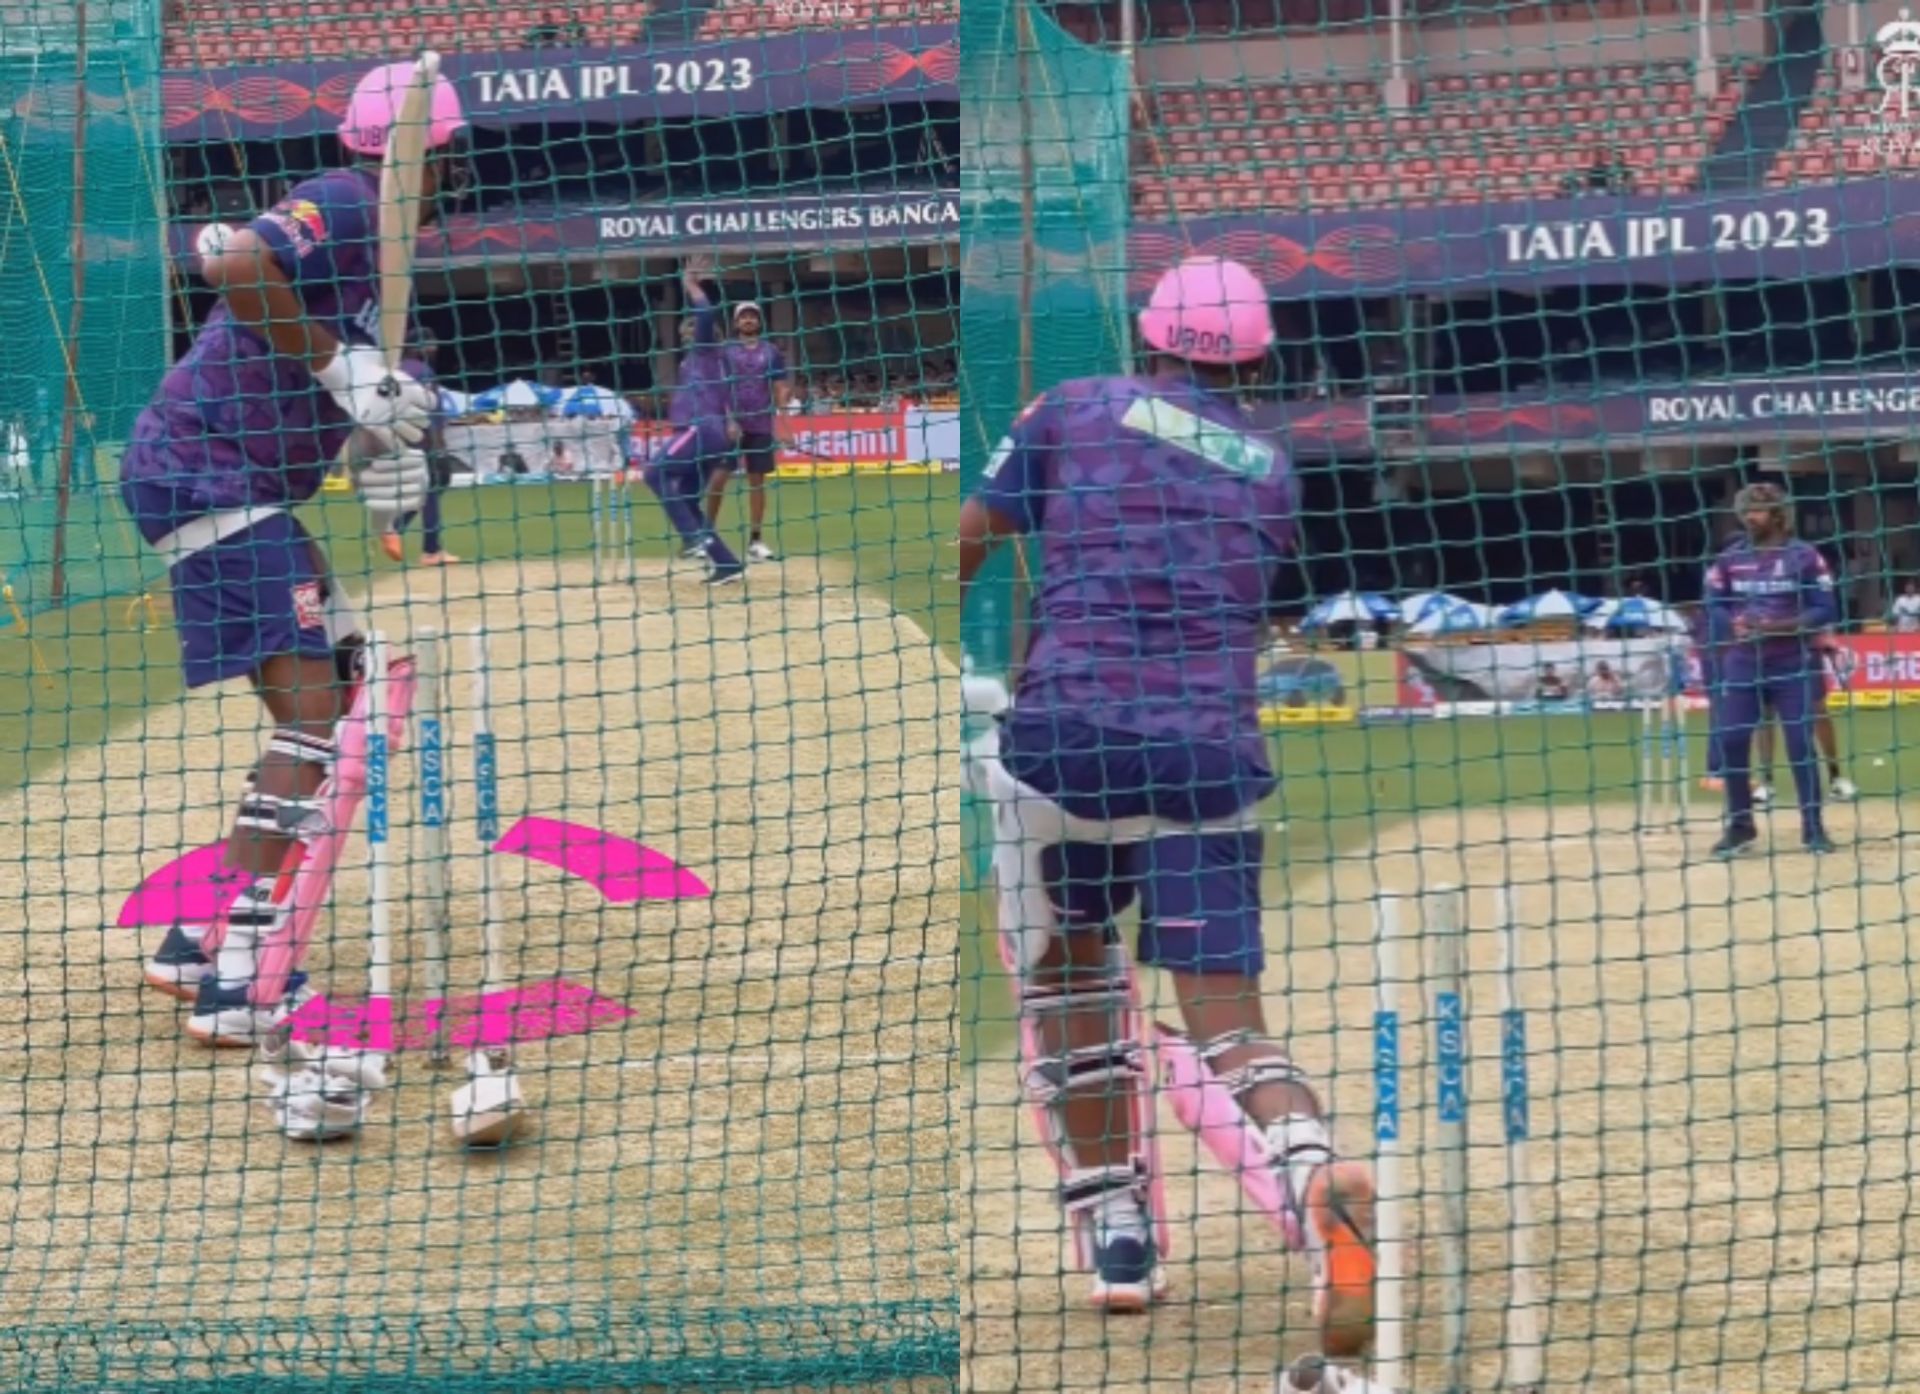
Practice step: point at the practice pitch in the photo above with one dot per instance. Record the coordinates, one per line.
(1721, 1082)
(758, 1159)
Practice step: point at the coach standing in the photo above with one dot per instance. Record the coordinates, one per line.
(1769, 597)
(757, 377)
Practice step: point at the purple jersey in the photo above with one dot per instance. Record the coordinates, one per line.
(701, 398)
(1764, 586)
(233, 423)
(753, 368)
(1163, 519)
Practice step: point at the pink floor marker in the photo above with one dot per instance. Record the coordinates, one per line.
(516, 1016)
(621, 869)
(195, 889)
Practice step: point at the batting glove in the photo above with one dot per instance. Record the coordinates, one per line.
(380, 398)
(391, 485)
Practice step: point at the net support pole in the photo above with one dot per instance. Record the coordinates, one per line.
(1706, 77)
(77, 249)
(1029, 250)
(1397, 91)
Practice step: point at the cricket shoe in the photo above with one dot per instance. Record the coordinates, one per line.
(760, 551)
(391, 544)
(1819, 844)
(1339, 1211)
(1313, 1374)
(1127, 1276)
(179, 965)
(225, 1017)
(1736, 842)
(1844, 790)
(1713, 784)
(1762, 795)
(722, 576)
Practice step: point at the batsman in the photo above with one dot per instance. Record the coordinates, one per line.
(1127, 768)
(242, 430)
(1770, 601)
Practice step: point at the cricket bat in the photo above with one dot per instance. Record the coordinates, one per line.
(401, 174)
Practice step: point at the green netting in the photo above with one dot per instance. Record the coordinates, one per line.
(707, 821)
(121, 342)
(1044, 199)
(1551, 284)
(1044, 189)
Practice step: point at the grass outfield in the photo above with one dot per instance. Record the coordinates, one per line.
(1342, 785)
(100, 670)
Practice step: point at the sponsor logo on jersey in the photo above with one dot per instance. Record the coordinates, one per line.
(309, 610)
(302, 222)
(1231, 450)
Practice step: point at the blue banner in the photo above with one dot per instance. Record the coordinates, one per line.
(1671, 239)
(735, 77)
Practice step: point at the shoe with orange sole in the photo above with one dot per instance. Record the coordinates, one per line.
(439, 559)
(390, 544)
(1339, 1206)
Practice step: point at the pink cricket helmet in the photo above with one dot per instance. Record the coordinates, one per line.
(1209, 310)
(376, 103)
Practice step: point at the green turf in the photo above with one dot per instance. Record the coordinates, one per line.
(100, 670)
(1343, 785)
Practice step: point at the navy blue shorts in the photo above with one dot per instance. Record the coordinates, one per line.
(757, 453)
(1199, 894)
(252, 597)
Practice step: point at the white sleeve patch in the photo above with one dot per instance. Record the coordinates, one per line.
(1001, 454)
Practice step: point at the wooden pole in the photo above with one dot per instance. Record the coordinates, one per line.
(71, 349)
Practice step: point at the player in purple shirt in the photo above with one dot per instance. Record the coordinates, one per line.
(439, 469)
(1699, 630)
(242, 430)
(1769, 598)
(1129, 767)
(703, 439)
(758, 375)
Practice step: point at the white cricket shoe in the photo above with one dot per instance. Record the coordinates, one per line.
(1844, 790)
(1763, 794)
(760, 551)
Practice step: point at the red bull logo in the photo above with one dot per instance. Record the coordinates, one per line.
(308, 216)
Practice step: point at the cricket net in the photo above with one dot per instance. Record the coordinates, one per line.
(681, 854)
(1550, 285)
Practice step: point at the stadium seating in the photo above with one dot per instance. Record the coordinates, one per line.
(1473, 137)
(1173, 19)
(1837, 139)
(217, 33)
